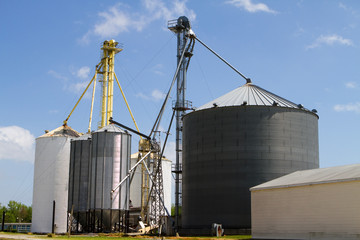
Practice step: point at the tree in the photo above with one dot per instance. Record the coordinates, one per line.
(2, 209)
(16, 212)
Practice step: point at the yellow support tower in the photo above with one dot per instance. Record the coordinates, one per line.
(108, 57)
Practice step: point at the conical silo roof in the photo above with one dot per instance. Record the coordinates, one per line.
(85, 136)
(249, 94)
(111, 128)
(62, 131)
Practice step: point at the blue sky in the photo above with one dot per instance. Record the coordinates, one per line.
(305, 51)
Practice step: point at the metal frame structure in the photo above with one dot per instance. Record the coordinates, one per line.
(104, 73)
(181, 27)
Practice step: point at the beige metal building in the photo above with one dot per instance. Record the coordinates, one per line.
(311, 204)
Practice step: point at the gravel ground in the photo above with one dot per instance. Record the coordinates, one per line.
(21, 236)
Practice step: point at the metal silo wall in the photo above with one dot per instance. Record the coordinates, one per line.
(51, 179)
(110, 162)
(80, 155)
(228, 150)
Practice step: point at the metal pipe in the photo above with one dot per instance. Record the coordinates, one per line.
(248, 80)
(66, 120)
(130, 129)
(132, 169)
(162, 153)
(92, 102)
(53, 219)
(158, 119)
(122, 92)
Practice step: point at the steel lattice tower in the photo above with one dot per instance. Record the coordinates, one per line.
(182, 28)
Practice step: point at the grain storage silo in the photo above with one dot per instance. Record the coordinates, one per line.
(79, 180)
(51, 178)
(237, 141)
(110, 163)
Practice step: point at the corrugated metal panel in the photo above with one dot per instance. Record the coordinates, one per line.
(110, 162)
(251, 94)
(319, 211)
(51, 179)
(314, 176)
(79, 174)
(227, 150)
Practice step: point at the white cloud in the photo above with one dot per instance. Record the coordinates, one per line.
(115, 20)
(348, 9)
(155, 95)
(330, 40)
(351, 84)
(78, 87)
(158, 69)
(17, 143)
(83, 72)
(57, 75)
(350, 107)
(53, 111)
(250, 6)
(143, 96)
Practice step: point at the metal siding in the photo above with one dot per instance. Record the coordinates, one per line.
(230, 149)
(110, 159)
(84, 175)
(79, 177)
(320, 211)
(51, 181)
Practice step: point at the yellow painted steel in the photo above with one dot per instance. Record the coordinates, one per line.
(111, 85)
(127, 104)
(92, 102)
(67, 119)
(104, 91)
(108, 57)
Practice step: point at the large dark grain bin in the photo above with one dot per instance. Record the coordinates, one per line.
(237, 141)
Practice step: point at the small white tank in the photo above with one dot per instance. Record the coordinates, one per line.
(51, 179)
(135, 186)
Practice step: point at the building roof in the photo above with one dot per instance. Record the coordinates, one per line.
(249, 94)
(62, 131)
(314, 176)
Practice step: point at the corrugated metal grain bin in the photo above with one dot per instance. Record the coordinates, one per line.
(110, 162)
(244, 138)
(51, 179)
(79, 178)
